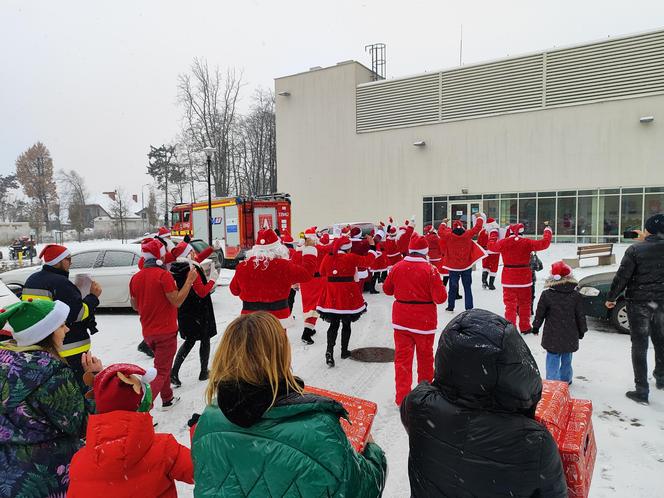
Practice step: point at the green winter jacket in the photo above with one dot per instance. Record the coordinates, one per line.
(297, 449)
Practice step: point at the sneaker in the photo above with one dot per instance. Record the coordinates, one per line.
(175, 381)
(449, 309)
(329, 359)
(167, 405)
(638, 397)
(492, 287)
(204, 375)
(345, 354)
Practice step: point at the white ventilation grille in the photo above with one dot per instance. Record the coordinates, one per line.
(398, 103)
(507, 86)
(618, 68)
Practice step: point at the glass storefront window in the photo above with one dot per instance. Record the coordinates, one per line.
(508, 212)
(527, 208)
(608, 215)
(439, 212)
(586, 226)
(546, 211)
(491, 209)
(566, 216)
(427, 217)
(654, 205)
(631, 214)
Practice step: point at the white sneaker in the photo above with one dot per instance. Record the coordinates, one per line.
(167, 405)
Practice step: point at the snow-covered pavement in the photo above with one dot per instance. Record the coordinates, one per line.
(630, 458)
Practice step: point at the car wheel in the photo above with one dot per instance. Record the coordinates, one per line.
(619, 317)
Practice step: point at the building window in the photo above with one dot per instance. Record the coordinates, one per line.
(491, 209)
(508, 212)
(527, 215)
(631, 212)
(586, 225)
(546, 211)
(427, 217)
(654, 205)
(439, 212)
(608, 214)
(566, 218)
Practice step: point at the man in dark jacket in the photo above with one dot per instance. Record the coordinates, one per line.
(641, 272)
(52, 283)
(472, 431)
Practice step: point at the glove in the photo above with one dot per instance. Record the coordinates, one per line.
(193, 420)
(214, 274)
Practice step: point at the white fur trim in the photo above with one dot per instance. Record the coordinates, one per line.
(548, 228)
(556, 277)
(420, 251)
(394, 255)
(346, 247)
(341, 312)
(186, 251)
(414, 331)
(517, 286)
(414, 259)
(57, 259)
(375, 253)
(362, 274)
(149, 375)
(287, 322)
(309, 251)
(267, 247)
(44, 327)
(434, 260)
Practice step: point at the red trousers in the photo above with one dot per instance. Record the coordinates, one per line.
(517, 302)
(405, 343)
(164, 347)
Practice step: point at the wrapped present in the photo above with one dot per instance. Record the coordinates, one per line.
(361, 413)
(570, 423)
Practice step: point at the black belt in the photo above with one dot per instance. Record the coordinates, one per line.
(516, 266)
(340, 279)
(261, 306)
(316, 275)
(414, 302)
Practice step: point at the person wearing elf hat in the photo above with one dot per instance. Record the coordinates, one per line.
(196, 319)
(561, 310)
(42, 409)
(155, 295)
(517, 278)
(122, 456)
(417, 287)
(52, 283)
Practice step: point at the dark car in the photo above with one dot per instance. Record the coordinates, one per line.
(595, 288)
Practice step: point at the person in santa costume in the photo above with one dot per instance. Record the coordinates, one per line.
(378, 269)
(289, 242)
(312, 289)
(404, 234)
(417, 288)
(490, 263)
(516, 277)
(433, 241)
(164, 236)
(361, 246)
(461, 253)
(441, 245)
(392, 251)
(264, 279)
(341, 301)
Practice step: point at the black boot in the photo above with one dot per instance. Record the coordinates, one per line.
(306, 336)
(641, 398)
(177, 363)
(491, 282)
(329, 359)
(345, 339)
(332, 333)
(485, 275)
(145, 349)
(372, 287)
(204, 353)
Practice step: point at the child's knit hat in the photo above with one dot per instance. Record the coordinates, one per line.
(33, 320)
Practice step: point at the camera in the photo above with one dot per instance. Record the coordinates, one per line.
(630, 234)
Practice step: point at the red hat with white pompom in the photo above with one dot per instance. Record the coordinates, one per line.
(310, 233)
(325, 239)
(418, 244)
(153, 249)
(123, 386)
(355, 232)
(164, 232)
(560, 270)
(517, 228)
(341, 244)
(457, 224)
(267, 239)
(392, 233)
(287, 239)
(52, 254)
(182, 250)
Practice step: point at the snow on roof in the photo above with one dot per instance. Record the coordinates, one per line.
(106, 203)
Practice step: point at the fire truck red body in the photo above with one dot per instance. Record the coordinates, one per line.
(235, 220)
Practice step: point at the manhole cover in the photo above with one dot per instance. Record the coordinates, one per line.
(373, 355)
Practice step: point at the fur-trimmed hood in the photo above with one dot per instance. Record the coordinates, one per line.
(551, 282)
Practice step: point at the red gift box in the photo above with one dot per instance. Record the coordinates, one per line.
(570, 423)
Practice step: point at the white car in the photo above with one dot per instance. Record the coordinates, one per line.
(111, 266)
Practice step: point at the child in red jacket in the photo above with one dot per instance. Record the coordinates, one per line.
(123, 457)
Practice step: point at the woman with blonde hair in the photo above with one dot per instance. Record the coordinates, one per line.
(261, 435)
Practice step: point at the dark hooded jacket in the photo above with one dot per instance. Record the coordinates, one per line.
(561, 309)
(196, 315)
(472, 432)
(641, 272)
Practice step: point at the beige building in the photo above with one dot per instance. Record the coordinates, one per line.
(571, 135)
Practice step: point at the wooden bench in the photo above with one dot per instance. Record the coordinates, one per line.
(603, 253)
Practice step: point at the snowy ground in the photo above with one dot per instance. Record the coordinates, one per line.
(630, 459)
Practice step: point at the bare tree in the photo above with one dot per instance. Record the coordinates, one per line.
(76, 199)
(259, 142)
(119, 213)
(34, 171)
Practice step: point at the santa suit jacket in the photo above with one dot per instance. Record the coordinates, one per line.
(435, 254)
(403, 240)
(393, 252)
(265, 285)
(515, 251)
(417, 288)
(341, 295)
(461, 251)
(311, 289)
(380, 264)
(361, 248)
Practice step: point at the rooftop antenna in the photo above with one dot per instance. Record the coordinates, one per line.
(377, 51)
(461, 47)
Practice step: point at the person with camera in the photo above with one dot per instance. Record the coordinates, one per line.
(641, 276)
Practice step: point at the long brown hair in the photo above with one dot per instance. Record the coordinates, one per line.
(48, 345)
(254, 350)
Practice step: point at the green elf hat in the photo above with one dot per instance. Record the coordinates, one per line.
(33, 321)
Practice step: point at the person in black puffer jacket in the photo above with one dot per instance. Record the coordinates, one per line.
(561, 306)
(641, 273)
(472, 431)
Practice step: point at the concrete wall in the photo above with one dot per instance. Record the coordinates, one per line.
(334, 174)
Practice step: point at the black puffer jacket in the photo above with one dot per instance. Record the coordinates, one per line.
(472, 432)
(641, 272)
(195, 315)
(560, 308)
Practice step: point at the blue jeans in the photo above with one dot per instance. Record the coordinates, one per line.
(466, 277)
(559, 366)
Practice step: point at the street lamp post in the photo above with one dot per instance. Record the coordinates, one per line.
(208, 153)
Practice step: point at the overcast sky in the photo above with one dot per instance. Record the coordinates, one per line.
(96, 80)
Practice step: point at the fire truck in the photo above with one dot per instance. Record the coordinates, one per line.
(235, 221)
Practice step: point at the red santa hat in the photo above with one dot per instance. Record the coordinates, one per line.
(517, 228)
(457, 224)
(341, 244)
(418, 244)
(427, 229)
(287, 239)
(325, 239)
(153, 249)
(560, 270)
(345, 231)
(182, 250)
(267, 239)
(355, 232)
(310, 233)
(52, 254)
(392, 233)
(164, 232)
(490, 220)
(123, 386)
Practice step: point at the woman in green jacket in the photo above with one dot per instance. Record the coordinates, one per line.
(262, 436)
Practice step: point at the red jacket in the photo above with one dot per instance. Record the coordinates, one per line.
(435, 254)
(123, 457)
(361, 248)
(393, 253)
(404, 240)
(515, 251)
(380, 264)
(342, 297)
(417, 288)
(461, 251)
(265, 285)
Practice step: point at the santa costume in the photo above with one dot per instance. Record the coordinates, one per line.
(444, 273)
(312, 289)
(461, 253)
(263, 281)
(289, 242)
(391, 248)
(492, 260)
(360, 247)
(516, 277)
(404, 234)
(378, 269)
(341, 301)
(433, 241)
(417, 288)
